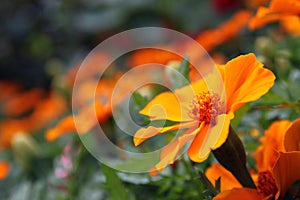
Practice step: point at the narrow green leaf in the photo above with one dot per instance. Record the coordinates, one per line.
(179, 77)
(239, 115)
(139, 100)
(115, 186)
(184, 68)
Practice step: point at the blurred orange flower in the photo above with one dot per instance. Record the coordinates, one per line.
(205, 112)
(22, 102)
(150, 55)
(102, 108)
(285, 11)
(209, 39)
(4, 169)
(273, 179)
(8, 89)
(44, 111)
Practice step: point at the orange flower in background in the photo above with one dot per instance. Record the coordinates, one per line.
(150, 55)
(92, 64)
(22, 102)
(45, 110)
(205, 113)
(102, 108)
(267, 154)
(8, 90)
(209, 39)
(285, 11)
(4, 169)
(273, 179)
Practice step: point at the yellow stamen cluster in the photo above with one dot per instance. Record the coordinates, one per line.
(206, 106)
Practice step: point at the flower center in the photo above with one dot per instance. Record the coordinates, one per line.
(266, 184)
(206, 106)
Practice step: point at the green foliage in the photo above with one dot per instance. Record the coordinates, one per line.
(115, 186)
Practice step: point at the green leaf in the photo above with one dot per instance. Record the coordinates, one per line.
(115, 186)
(184, 68)
(239, 115)
(179, 77)
(139, 100)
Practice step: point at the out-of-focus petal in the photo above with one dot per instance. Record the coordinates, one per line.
(286, 171)
(4, 169)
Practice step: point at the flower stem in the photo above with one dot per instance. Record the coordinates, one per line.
(232, 156)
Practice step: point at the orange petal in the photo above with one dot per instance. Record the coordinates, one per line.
(272, 143)
(144, 133)
(4, 169)
(289, 6)
(239, 193)
(263, 17)
(213, 81)
(167, 106)
(215, 171)
(209, 138)
(292, 137)
(245, 80)
(286, 171)
(169, 152)
(291, 24)
(65, 126)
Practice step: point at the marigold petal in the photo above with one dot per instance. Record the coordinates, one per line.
(263, 17)
(289, 6)
(144, 133)
(213, 81)
(167, 105)
(169, 152)
(209, 138)
(291, 24)
(246, 80)
(215, 171)
(238, 193)
(292, 137)
(286, 171)
(66, 125)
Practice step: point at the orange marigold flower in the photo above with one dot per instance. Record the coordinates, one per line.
(285, 11)
(274, 180)
(4, 169)
(205, 113)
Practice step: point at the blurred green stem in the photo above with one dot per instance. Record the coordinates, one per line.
(278, 107)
